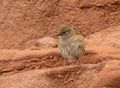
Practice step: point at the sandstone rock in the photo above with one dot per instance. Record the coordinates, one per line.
(48, 42)
(24, 21)
(107, 37)
(109, 77)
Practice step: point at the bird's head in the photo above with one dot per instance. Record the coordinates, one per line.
(66, 32)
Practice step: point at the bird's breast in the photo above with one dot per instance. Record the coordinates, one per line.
(64, 48)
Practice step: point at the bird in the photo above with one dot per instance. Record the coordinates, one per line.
(70, 44)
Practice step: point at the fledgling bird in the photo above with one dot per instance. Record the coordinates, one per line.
(71, 45)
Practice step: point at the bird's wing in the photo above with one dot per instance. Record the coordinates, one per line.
(78, 39)
(77, 42)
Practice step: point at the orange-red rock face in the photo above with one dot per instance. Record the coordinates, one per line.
(29, 57)
(25, 21)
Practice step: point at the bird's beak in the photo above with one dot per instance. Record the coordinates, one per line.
(58, 34)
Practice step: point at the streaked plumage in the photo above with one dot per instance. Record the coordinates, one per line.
(70, 44)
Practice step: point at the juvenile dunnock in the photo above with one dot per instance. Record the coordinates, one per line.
(71, 45)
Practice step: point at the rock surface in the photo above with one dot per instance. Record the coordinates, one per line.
(45, 68)
(28, 54)
(24, 22)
